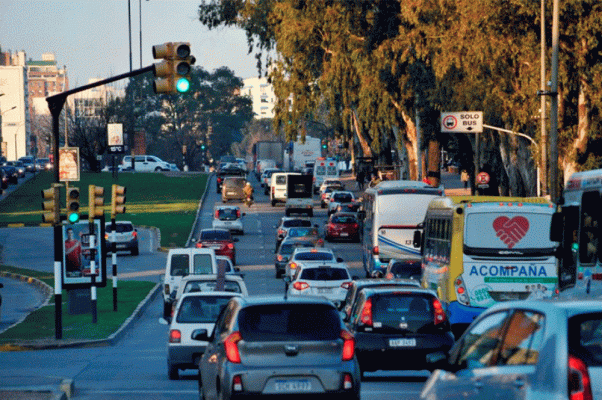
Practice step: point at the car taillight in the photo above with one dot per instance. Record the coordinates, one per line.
(300, 285)
(355, 226)
(375, 250)
(579, 382)
(331, 200)
(231, 246)
(216, 214)
(175, 336)
(279, 258)
(461, 292)
(219, 180)
(320, 242)
(347, 382)
(231, 345)
(281, 232)
(106, 236)
(346, 285)
(439, 312)
(366, 316)
(348, 345)
(293, 265)
(134, 234)
(237, 383)
(237, 213)
(199, 245)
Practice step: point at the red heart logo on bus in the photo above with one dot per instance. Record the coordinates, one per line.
(511, 231)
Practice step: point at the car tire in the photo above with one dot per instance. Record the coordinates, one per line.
(311, 213)
(135, 251)
(273, 203)
(166, 310)
(172, 372)
(158, 169)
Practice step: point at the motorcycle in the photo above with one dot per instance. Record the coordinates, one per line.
(249, 201)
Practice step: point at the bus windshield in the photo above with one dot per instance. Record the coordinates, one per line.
(508, 234)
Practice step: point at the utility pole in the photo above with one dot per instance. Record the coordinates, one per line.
(554, 107)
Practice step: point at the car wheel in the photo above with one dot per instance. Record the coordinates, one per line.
(166, 310)
(135, 251)
(172, 372)
(273, 203)
(158, 169)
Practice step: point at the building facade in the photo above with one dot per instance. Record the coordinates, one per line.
(262, 94)
(14, 106)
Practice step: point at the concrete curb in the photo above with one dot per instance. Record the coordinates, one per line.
(198, 211)
(46, 289)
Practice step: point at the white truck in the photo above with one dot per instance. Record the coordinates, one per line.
(297, 154)
(299, 195)
(182, 262)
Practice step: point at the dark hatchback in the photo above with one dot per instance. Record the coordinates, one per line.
(397, 328)
(286, 248)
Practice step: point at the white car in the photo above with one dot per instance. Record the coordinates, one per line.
(331, 182)
(126, 237)
(194, 311)
(311, 256)
(229, 218)
(328, 281)
(144, 163)
(337, 198)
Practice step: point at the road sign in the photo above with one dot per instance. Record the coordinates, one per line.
(482, 178)
(115, 139)
(465, 121)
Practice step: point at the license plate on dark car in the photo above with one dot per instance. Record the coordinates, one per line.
(402, 342)
(292, 385)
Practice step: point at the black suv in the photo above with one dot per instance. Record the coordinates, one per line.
(396, 328)
(275, 346)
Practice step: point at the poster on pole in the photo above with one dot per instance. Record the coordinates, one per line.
(115, 139)
(77, 254)
(69, 164)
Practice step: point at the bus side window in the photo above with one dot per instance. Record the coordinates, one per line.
(590, 216)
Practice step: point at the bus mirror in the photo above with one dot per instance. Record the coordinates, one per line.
(556, 227)
(417, 239)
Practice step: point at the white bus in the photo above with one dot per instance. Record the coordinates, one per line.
(479, 250)
(392, 211)
(578, 226)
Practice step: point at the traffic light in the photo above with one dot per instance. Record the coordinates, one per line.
(73, 205)
(203, 147)
(173, 73)
(324, 144)
(51, 206)
(96, 202)
(117, 200)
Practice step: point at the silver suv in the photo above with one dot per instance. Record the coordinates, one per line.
(278, 346)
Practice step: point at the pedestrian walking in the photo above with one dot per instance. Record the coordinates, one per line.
(464, 177)
(360, 178)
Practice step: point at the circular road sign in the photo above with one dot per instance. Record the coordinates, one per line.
(450, 122)
(483, 178)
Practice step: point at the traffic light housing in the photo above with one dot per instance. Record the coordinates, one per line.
(95, 202)
(73, 205)
(324, 145)
(117, 200)
(51, 206)
(173, 73)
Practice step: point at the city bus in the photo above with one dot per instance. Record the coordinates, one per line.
(577, 226)
(480, 250)
(391, 211)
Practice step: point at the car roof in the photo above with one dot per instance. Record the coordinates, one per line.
(571, 307)
(282, 299)
(373, 282)
(209, 277)
(225, 206)
(313, 250)
(216, 229)
(208, 294)
(369, 291)
(344, 214)
(119, 222)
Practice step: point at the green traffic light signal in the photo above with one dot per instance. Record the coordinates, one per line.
(73, 218)
(183, 85)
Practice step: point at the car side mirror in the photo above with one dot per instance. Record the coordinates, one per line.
(556, 227)
(417, 239)
(200, 334)
(340, 259)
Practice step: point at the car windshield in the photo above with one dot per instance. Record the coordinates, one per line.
(290, 322)
(407, 270)
(227, 214)
(301, 232)
(314, 256)
(119, 228)
(343, 219)
(197, 309)
(215, 235)
(296, 223)
(324, 274)
(209, 286)
(342, 197)
(235, 182)
(287, 249)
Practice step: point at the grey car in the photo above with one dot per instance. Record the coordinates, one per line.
(529, 349)
(271, 345)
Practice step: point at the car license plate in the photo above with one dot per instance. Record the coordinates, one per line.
(227, 223)
(402, 342)
(292, 385)
(344, 234)
(230, 193)
(324, 290)
(121, 246)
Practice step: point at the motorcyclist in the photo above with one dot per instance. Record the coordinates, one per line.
(248, 190)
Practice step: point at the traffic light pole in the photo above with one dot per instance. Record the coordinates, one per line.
(114, 259)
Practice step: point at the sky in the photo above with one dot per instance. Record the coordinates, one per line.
(90, 37)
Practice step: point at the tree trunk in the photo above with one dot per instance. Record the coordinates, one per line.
(411, 144)
(579, 145)
(363, 142)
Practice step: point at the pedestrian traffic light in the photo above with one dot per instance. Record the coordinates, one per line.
(51, 206)
(117, 200)
(73, 205)
(173, 73)
(95, 202)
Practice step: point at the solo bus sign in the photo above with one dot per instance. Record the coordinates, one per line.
(464, 121)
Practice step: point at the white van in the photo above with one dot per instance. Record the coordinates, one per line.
(144, 163)
(278, 183)
(182, 262)
(324, 168)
